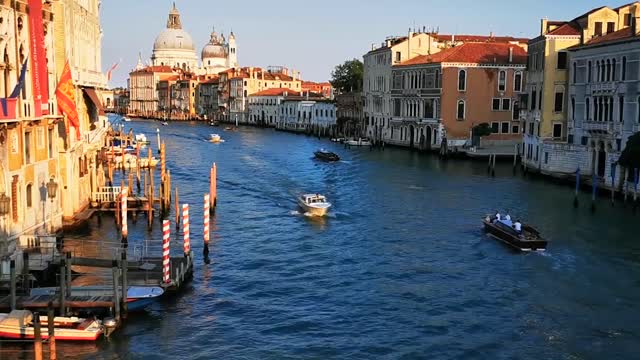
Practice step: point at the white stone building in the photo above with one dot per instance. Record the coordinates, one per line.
(305, 114)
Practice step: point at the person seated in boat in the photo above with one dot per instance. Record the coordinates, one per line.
(497, 217)
(517, 226)
(507, 217)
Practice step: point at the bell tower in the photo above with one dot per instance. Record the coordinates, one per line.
(174, 18)
(232, 58)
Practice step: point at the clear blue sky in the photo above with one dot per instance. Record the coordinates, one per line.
(315, 36)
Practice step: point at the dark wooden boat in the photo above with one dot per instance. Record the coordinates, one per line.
(326, 155)
(528, 240)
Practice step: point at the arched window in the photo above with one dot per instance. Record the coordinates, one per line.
(29, 194)
(589, 70)
(573, 108)
(517, 81)
(613, 69)
(587, 111)
(502, 80)
(638, 109)
(460, 111)
(437, 79)
(624, 69)
(462, 80)
(575, 72)
(608, 70)
(597, 70)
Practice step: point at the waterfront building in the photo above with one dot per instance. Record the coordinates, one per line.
(350, 113)
(143, 88)
(379, 62)
(444, 95)
(207, 97)
(183, 96)
(324, 88)
(264, 106)
(121, 100)
(29, 131)
(78, 41)
(604, 105)
(306, 113)
(250, 80)
(547, 104)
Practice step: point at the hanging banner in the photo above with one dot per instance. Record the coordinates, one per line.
(66, 97)
(39, 76)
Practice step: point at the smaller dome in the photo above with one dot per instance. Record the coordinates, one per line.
(215, 48)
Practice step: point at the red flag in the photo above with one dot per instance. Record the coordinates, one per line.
(38, 58)
(111, 70)
(66, 98)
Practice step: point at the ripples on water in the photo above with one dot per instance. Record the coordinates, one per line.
(401, 269)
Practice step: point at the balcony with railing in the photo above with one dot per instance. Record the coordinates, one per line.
(602, 126)
(602, 88)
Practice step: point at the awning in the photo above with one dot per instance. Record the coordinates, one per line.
(95, 99)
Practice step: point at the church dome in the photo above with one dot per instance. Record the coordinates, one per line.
(174, 39)
(215, 48)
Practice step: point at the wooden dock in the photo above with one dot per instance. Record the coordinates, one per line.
(42, 302)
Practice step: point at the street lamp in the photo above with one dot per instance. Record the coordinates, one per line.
(52, 191)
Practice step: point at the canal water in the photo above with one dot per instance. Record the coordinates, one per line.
(400, 269)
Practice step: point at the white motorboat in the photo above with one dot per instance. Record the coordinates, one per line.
(314, 204)
(18, 324)
(358, 142)
(126, 119)
(164, 123)
(215, 138)
(138, 297)
(142, 139)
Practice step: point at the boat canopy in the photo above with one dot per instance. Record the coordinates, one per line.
(19, 318)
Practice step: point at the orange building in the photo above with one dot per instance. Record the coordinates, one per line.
(323, 88)
(444, 95)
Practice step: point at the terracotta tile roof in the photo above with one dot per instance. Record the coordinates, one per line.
(474, 53)
(155, 69)
(479, 38)
(567, 29)
(276, 92)
(620, 35)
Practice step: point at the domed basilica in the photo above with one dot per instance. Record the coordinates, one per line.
(174, 47)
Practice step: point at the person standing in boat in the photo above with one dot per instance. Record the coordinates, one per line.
(518, 226)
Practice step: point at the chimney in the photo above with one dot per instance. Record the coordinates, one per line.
(510, 55)
(491, 34)
(409, 44)
(293, 73)
(543, 26)
(388, 43)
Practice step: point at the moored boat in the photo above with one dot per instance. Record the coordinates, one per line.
(138, 297)
(325, 155)
(18, 325)
(126, 119)
(358, 142)
(528, 239)
(314, 204)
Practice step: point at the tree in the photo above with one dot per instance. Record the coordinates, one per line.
(630, 157)
(481, 130)
(347, 76)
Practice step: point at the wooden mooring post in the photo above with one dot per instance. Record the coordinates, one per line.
(575, 196)
(12, 278)
(115, 271)
(37, 336)
(125, 218)
(68, 264)
(213, 187)
(206, 231)
(123, 272)
(177, 209)
(51, 331)
(63, 287)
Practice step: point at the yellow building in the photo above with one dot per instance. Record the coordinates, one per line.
(28, 141)
(78, 38)
(250, 80)
(546, 104)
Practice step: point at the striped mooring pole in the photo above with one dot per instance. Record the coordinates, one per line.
(185, 229)
(166, 260)
(206, 219)
(125, 229)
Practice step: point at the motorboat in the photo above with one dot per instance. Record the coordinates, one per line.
(126, 119)
(18, 325)
(314, 204)
(338, 140)
(528, 239)
(138, 297)
(326, 155)
(142, 139)
(358, 142)
(164, 123)
(215, 138)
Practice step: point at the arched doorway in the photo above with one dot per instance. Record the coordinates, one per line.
(412, 133)
(428, 141)
(423, 140)
(602, 159)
